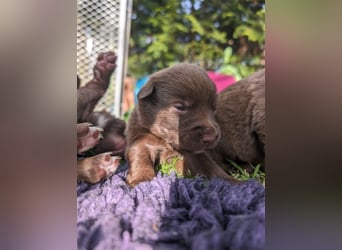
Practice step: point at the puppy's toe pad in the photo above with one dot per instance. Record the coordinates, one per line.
(111, 166)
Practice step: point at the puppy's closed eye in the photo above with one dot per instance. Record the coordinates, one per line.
(180, 107)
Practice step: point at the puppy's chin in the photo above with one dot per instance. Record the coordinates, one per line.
(194, 149)
(199, 151)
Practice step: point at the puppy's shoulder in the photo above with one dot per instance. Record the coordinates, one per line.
(134, 129)
(246, 88)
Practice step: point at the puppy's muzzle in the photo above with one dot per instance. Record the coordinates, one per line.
(207, 135)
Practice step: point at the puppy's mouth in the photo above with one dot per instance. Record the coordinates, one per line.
(196, 148)
(209, 140)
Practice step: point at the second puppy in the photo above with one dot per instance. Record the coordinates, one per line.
(174, 118)
(241, 117)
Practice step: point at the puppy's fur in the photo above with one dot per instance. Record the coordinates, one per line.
(114, 139)
(241, 117)
(174, 117)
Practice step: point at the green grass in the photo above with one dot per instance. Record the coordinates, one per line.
(236, 172)
(167, 167)
(242, 174)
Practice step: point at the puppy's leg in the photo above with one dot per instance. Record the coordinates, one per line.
(87, 137)
(202, 164)
(92, 92)
(217, 171)
(220, 173)
(96, 168)
(142, 156)
(141, 167)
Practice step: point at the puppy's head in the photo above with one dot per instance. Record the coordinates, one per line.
(177, 104)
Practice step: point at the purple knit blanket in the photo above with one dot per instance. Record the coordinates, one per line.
(170, 213)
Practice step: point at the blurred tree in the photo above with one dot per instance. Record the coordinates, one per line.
(220, 36)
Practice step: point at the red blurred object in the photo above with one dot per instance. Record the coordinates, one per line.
(221, 81)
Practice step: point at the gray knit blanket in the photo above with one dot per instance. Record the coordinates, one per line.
(170, 213)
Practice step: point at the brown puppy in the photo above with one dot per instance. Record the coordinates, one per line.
(174, 117)
(241, 116)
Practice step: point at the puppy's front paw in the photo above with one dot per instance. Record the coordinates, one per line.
(87, 137)
(96, 168)
(141, 174)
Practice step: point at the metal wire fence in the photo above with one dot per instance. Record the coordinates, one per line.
(100, 26)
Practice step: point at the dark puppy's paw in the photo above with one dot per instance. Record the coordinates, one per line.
(97, 168)
(87, 137)
(103, 68)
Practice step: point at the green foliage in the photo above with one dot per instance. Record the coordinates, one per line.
(165, 32)
(242, 174)
(196, 26)
(127, 115)
(167, 167)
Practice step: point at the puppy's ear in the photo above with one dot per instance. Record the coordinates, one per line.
(146, 90)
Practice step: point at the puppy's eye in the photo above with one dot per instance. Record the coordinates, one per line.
(180, 107)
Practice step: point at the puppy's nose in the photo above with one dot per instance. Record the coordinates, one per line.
(207, 134)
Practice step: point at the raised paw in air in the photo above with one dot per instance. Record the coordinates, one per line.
(96, 168)
(87, 137)
(104, 67)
